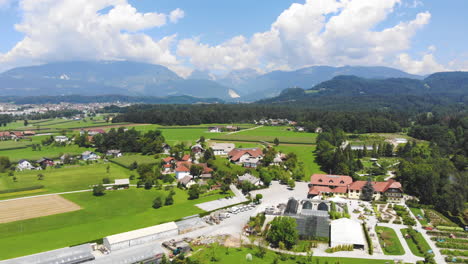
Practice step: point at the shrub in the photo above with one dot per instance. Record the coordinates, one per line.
(369, 240)
(98, 190)
(451, 245)
(106, 180)
(340, 248)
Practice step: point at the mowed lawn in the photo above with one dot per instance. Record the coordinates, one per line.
(180, 135)
(238, 256)
(389, 241)
(269, 133)
(64, 179)
(413, 246)
(51, 152)
(9, 144)
(115, 212)
(127, 160)
(306, 155)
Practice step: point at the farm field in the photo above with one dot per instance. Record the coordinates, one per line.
(115, 212)
(388, 237)
(127, 160)
(9, 144)
(269, 133)
(22, 209)
(64, 179)
(238, 256)
(412, 245)
(46, 151)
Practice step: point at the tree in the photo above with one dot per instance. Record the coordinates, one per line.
(98, 190)
(4, 163)
(258, 198)
(276, 141)
(367, 191)
(224, 187)
(106, 180)
(169, 199)
(40, 176)
(196, 170)
(157, 203)
(108, 168)
(283, 230)
(194, 192)
(291, 183)
(25, 122)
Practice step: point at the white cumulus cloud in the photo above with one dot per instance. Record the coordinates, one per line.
(176, 15)
(330, 32)
(77, 30)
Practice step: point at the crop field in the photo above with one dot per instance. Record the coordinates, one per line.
(127, 160)
(389, 241)
(69, 178)
(46, 151)
(15, 210)
(238, 256)
(115, 212)
(268, 134)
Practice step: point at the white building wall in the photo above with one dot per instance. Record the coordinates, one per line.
(182, 174)
(140, 240)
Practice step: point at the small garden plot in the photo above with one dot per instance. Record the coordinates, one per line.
(405, 215)
(419, 214)
(385, 213)
(416, 242)
(389, 241)
(437, 219)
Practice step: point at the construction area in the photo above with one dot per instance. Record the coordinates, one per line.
(27, 208)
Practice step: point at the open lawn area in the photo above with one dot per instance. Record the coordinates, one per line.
(389, 241)
(419, 214)
(306, 155)
(269, 133)
(51, 152)
(10, 144)
(115, 212)
(127, 160)
(72, 178)
(413, 246)
(238, 256)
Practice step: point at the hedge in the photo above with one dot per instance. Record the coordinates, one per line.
(368, 238)
(461, 253)
(35, 187)
(450, 228)
(451, 245)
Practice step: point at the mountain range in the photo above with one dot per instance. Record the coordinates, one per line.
(142, 79)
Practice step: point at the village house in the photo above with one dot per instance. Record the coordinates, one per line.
(29, 133)
(326, 184)
(249, 178)
(45, 162)
(166, 149)
(197, 149)
(16, 135)
(390, 190)
(114, 153)
(186, 181)
(182, 169)
(24, 165)
(247, 157)
(89, 155)
(318, 130)
(92, 132)
(5, 135)
(168, 164)
(60, 139)
(343, 186)
(300, 129)
(121, 183)
(214, 129)
(221, 149)
(232, 128)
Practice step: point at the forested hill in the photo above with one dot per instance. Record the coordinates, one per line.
(351, 91)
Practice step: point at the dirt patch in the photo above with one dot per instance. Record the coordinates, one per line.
(233, 242)
(21, 209)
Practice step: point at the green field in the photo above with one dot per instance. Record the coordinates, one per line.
(418, 211)
(238, 256)
(306, 155)
(71, 178)
(389, 241)
(127, 160)
(115, 212)
(9, 144)
(269, 133)
(46, 151)
(413, 247)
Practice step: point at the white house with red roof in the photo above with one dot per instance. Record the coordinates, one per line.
(182, 169)
(343, 185)
(247, 157)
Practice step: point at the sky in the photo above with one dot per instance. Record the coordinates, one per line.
(417, 36)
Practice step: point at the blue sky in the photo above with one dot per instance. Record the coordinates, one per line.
(205, 36)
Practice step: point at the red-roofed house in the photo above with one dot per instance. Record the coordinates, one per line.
(183, 169)
(186, 157)
(16, 134)
(248, 157)
(5, 135)
(324, 183)
(390, 189)
(168, 164)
